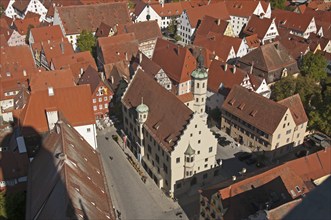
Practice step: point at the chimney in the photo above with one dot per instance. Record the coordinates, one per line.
(162, 3)
(50, 91)
(225, 66)
(234, 69)
(126, 56)
(218, 22)
(178, 50)
(140, 57)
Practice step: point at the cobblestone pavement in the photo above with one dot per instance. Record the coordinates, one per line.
(130, 195)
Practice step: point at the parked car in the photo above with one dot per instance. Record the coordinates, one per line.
(244, 156)
(251, 161)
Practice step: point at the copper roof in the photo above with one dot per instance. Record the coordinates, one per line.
(167, 117)
(217, 10)
(297, 110)
(74, 102)
(267, 113)
(68, 187)
(47, 33)
(177, 61)
(77, 18)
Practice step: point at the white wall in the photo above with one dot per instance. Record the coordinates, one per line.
(184, 29)
(37, 7)
(16, 39)
(153, 15)
(88, 132)
(9, 11)
(272, 32)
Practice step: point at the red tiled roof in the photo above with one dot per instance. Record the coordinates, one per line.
(217, 10)
(166, 118)
(187, 97)
(55, 78)
(168, 9)
(253, 41)
(47, 33)
(292, 20)
(209, 24)
(175, 60)
(77, 18)
(297, 110)
(257, 25)
(242, 8)
(23, 25)
(21, 5)
(268, 113)
(144, 31)
(217, 75)
(74, 102)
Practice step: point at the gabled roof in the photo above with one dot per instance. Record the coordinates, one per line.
(177, 61)
(258, 111)
(23, 25)
(77, 62)
(242, 8)
(74, 102)
(253, 41)
(103, 30)
(258, 25)
(144, 31)
(91, 77)
(168, 9)
(222, 73)
(217, 10)
(66, 179)
(55, 78)
(269, 57)
(210, 24)
(292, 20)
(116, 72)
(21, 5)
(297, 110)
(77, 18)
(149, 66)
(47, 33)
(167, 117)
(118, 47)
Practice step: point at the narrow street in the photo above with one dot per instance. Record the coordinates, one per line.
(130, 195)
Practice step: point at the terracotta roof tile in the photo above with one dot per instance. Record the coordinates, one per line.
(177, 61)
(47, 33)
(166, 117)
(187, 97)
(209, 24)
(269, 57)
(217, 75)
(80, 177)
(297, 110)
(22, 25)
(291, 20)
(74, 102)
(55, 78)
(168, 9)
(241, 8)
(257, 25)
(268, 113)
(75, 19)
(21, 5)
(217, 10)
(144, 31)
(253, 41)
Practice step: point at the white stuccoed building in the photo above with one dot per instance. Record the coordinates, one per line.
(172, 142)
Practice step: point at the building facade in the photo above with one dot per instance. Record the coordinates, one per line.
(174, 144)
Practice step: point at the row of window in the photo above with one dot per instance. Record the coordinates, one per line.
(100, 99)
(95, 108)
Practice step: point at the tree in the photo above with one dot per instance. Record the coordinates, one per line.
(283, 88)
(2, 9)
(86, 41)
(280, 4)
(172, 27)
(12, 206)
(314, 66)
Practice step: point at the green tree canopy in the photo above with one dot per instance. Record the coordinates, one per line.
(12, 206)
(313, 66)
(283, 88)
(86, 41)
(172, 27)
(280, 4)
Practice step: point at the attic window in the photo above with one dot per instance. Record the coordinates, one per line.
(253, 113)
(231, 102)
(156, 126)
(241, 106)
(298, 189)
(169, 139)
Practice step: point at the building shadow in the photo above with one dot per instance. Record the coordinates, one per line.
(32, 184)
